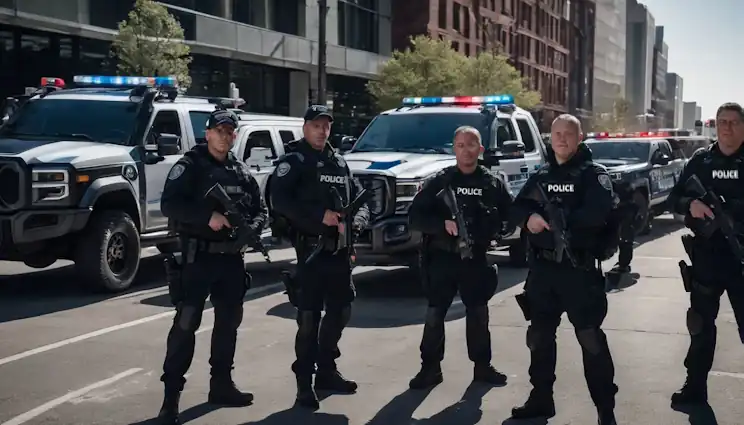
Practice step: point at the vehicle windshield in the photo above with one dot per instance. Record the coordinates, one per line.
(634, 152)
(75, 119)
(426, 132)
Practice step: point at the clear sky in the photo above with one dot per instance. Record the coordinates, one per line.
(704, 40)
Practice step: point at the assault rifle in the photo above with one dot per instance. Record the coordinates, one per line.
(720, 218)
(240, 230)
(347, 214)
(464, 242)
(558, 227)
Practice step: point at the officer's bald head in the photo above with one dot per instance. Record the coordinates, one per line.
(565, 135)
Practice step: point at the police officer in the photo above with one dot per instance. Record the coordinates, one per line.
(305, 189)
(484, 203)
(629, 211)
(213, 264)
(714, 267)
(583, 191)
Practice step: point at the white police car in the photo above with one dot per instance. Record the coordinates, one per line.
(403, 147)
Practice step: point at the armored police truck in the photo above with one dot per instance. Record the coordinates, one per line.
(83, 169)
(403, 147)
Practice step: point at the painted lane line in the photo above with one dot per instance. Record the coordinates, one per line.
(728, 374)
(31, 414)
(104, 331)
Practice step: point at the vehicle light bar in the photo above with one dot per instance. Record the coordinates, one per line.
(109, 80)
(637, 135)
(52, 82)
(497, 99)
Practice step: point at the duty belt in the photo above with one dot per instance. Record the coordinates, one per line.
(583, 259)
(329, 244)
(212, 247)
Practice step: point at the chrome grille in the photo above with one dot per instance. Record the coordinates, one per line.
(11, 189)
(380, 202)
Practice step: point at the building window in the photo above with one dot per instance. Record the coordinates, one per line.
(443, 14)
(285, 16)
(456, 17)
(358, 26)
(108, 14)
(466, 18)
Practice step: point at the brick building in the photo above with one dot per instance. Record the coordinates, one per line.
(534, 33)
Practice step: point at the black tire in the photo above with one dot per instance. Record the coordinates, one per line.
(109, 234)
(519, 251)
(642, 223)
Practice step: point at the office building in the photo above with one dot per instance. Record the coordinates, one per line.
(690, 113)
(533, 34)
(640, 41)
(268, 48)
(674, 102)
(658, 80)
(609, 54)
(582, 25)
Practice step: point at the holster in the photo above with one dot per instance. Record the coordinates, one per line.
(687, 279)
(686, 270)
(290, 286)
(173, 275)
(524, 305)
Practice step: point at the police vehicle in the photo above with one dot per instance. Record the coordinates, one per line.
(403, 147)
(647, 162)
(83, 169)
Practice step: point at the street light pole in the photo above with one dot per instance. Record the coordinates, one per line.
(322, 14)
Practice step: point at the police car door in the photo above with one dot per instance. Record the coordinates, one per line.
(164, 121)
(663, 173)
(258, 149)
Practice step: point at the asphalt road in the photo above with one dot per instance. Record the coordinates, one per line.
(68, 357)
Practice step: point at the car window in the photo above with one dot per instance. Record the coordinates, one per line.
(286, 135)
(99, 120)
(618, 151)
(165, 122)
(199, 125)
(259, 141)
(526, 132)
(665, 149)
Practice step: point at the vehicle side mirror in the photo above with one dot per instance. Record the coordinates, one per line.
(168, 144)
(347, 142)
(661, 159)
(512, 149)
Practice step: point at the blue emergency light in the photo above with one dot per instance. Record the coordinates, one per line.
(497, 99)
(109, 81)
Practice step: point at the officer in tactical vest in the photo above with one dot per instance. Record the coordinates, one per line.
(456, 255)
(716, 218)
(212, 262)
(308, 188)
(566, 277)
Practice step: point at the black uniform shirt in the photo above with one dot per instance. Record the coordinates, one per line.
(721, 174)
(184, 202)
(307, 182)
(583, 190)
(482, 197)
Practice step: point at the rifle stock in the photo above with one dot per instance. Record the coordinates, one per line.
(242, 232)
(464, 243)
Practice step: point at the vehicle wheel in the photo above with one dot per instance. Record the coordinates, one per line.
(642, 222)
(108, 255)
(168, 248)
(519, 251)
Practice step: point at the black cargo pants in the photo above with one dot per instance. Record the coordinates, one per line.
(552, 289)
(476, 281)
(627, 235)
(325, 282)
(713, 277)
(222, 275)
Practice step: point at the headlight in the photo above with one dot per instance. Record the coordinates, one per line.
(408, 189)
(616, 176)
(50, 185)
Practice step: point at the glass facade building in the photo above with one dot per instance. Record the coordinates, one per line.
(609, 54)
(268, 48)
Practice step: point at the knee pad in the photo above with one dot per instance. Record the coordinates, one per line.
(435, 316)
(478, 314)
(590, 340)
(694, 322)
(189, 318)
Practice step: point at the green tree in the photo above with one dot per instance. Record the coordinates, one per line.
(490, 73)
(150, 42)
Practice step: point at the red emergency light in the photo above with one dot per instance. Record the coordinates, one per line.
(637, 135)
(52, 82)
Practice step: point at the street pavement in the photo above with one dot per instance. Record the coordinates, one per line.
(69, 357)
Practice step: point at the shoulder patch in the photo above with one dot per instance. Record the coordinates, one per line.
(340, 161)
(176, 172)
(283, 169)
(605, 181)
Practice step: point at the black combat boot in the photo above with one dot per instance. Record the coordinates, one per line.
(489, 375)
(537, 406)
(168, 414)
(335, 382)
(606, 416)
(428, 377)
(306, 396)
(224, 392)
(693, 392)
(620, 269)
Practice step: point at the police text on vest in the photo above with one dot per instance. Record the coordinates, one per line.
(324, 178)
(726, 174)
(470, 191)
(561, 188)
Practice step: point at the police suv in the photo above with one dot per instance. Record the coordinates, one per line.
(403, 147)
(646, 161)
(83, 169)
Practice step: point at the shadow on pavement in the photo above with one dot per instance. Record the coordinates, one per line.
(49, 291)
(617, 283)
(299, 416)
(382, 302)
(401, 408)
(662, 226)
(467, 411)
(699, 414)
(512, 421)
(263, 274)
